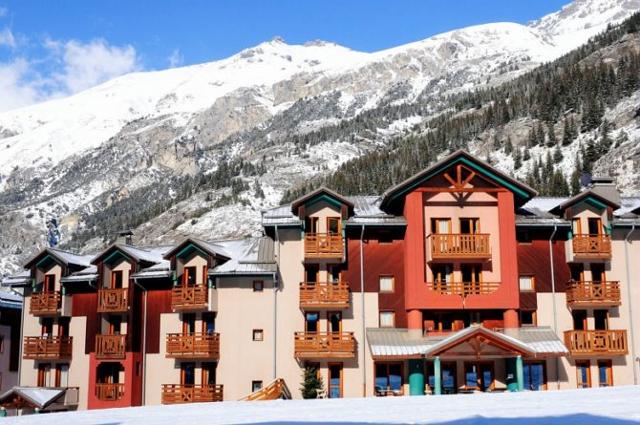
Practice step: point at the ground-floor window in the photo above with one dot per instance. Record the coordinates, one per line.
(535, 376)
(479, 376)
(583, 374)
(388, 378)
(448, 377)
(605, 373)
(335, 380)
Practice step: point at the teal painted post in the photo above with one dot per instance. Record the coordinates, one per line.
(437, 376)
(416, 377)
(512, 381)
(520, 373)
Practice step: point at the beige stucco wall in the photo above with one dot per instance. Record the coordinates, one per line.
(159, 369)
(196, 261)
(322, 210)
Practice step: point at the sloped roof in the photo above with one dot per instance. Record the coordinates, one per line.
(88, 274)
(319, 192)
(10, 300)
(37, 397)
(21, 279)
(253, 256)
(402, 343)
(148, 255)
(521, 190)
(64, 257)
(586, 195)
(211, 248)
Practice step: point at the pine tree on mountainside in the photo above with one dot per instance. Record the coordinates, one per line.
(517, 159)
(551, 141)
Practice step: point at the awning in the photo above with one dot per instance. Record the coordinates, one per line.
(39, 398)
(474, 341)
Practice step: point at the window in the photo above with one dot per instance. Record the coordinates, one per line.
(208, 323)
(311, 321)
(469, 226)
(583, 374)
(601, 320)
(535, 376)
(335, 380)
(527, 318)
(479, 376)
(440, 225)
(256, 386)
(47, 327)
(187, 373)
(62, 375)
(258, 286)
(527, 283)
(258, 335)
(311, 225)
(387, 284)
(594, 225)
(44, 375)
(188, 323)
(208, 373)
(334, 319)
(333, 225)
(388, 378)
(116, 279)
(387, 319)
(49, 283)
(442, 272)
(189, 276)
(579, 320)
(605, 373)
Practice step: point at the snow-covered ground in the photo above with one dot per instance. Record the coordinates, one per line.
(600, 406)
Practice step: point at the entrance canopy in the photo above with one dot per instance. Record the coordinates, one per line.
(475, 342)
(43, 399)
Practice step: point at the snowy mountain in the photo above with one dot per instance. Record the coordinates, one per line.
(149, 139)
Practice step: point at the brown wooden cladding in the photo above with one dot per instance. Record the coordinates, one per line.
(44, 303)
(319, 345)
(533, 260)
(86, 304)
(173, 394)
(596, 343)
(380, 259)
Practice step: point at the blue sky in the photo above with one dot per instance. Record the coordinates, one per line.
(54, 48)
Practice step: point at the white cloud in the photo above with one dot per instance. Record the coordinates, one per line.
(88, 64)
(175, 58)
(17, 85)
(7, 38)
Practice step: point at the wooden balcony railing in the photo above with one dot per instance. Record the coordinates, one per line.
(173, 394)
(324, 295)
(47, 348)
(318, 345)
(323, 245)
(586, 294)
(598, 246)
(451, 246)
(111, 346)
(113, 300)
(595, 343)
(109, 392)
(44, 303)
(189, 297)
(463, 289)
(193, 346)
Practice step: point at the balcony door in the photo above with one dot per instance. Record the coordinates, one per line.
(188, 323)
(114, 324)
(311, 320)
(601, 320)
(471, 273)
(109, 372)
(334, 321)
(189, 276)
(441, 226)
(187, 373)
(577, 272)
(208, 373)
(594, 225)
(333, 273)
(44, 375)
(208, 323)
(442, 276)
(469, 226)
(597, 273)
(49, 284)
(333, 226)
(583, 374)
(116, 279)
(579, 320)
(46, 327)
(311, 225)
(63, 326)
(311, 272)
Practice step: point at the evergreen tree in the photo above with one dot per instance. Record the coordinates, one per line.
(508, 146)
(557, 154)
(517, 159)
(551, 141)
(311, 383)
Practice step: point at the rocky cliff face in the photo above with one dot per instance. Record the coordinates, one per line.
(202, 149)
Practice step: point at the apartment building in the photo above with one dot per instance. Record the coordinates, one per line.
(459, 279)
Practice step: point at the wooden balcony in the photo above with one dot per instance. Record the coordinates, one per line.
(189, 298)
(323, 246)
(47, 348)
(596, 343)
(463, 289)
(324, 345)
(452, 246)
(113, 300)
(318, 295)
(593, 294)
(193, 346)
(45, 303)
(174, 394)
(109, 392)
(591, 246)
(111, 346)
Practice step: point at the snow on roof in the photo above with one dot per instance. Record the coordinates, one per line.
(87, 274)
(38, 396)
(253, 256)
(10, 299)
(65, 257)
(20, 279)
(144, 254)
(160, 270)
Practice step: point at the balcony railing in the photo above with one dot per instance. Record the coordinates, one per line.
(109, 392)
(318, 345)
(587, 294)
(189, 297)
(47, 347)
(113, 300)
(452, 246)
(111, 346)
(464, 289)
(323, 245)
(173, 394)
(44, 303)
(596, 343)
(193, 346)
(324, 295)
(598, 246)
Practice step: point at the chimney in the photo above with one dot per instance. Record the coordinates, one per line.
(125, 237)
